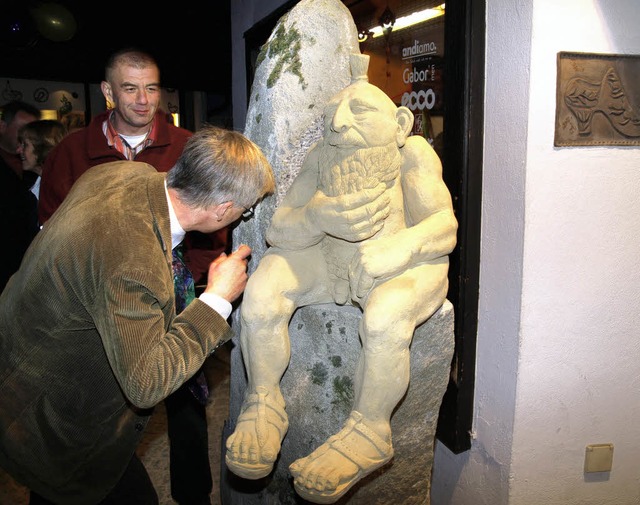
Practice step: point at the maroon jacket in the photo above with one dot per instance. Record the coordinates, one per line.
(88, 147)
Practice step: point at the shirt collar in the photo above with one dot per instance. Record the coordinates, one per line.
(177, 233)
(115, 140)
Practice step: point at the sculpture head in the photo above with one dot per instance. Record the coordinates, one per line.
(362, 115)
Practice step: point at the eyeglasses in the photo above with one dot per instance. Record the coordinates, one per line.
(248, 212)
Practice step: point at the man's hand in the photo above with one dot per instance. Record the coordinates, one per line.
(353, 217)
(228, 274)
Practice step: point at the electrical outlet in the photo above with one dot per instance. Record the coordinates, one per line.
(598, 458)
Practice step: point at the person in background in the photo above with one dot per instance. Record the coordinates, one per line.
(35, 141)
(15, 114)
(19, 206)
(98, 341)
(18, 218)
(135, 128)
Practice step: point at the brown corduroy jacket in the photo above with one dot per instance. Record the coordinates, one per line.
(88, 147)
(89, 339)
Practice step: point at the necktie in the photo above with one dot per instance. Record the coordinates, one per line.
(185, 293)
(182, 280)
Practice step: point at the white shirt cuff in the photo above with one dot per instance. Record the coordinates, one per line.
(217, 303)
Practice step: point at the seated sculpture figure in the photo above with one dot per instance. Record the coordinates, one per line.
(368, 221)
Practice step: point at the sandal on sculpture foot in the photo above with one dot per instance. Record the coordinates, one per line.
(249, 454)
(355, 445)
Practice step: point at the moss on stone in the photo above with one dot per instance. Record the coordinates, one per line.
(284, 47)
(329, 327)
(319, 374)
(336, 361)
(262, 54)
(343, 391)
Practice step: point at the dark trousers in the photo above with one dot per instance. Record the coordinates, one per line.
(133, 488)
(191, 481)
(190, 470)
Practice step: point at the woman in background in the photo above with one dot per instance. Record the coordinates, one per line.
(19, 199)
(35, 141)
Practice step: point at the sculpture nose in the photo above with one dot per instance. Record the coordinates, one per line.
(342, 118)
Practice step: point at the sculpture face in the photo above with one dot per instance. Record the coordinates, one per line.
(360, 116)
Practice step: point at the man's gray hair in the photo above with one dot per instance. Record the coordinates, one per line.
(220, 165)
(130, 57)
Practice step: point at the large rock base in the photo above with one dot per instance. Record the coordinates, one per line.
(318, 388)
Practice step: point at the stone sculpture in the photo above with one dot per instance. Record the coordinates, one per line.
(367, 222)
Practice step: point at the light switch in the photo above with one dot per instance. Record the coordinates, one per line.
(598, 458)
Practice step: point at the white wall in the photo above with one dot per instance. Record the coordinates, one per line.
(575, 351)
(558, 360)
(45, 95)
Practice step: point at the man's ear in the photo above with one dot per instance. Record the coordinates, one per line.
(105, 87)
(221, 209)
(404, 117)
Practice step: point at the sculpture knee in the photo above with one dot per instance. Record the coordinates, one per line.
(256, 309)
(265, 309)
(385, 332)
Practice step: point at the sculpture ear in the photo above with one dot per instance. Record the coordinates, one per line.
(404, 117)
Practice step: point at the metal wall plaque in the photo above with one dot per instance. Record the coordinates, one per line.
(597, 100)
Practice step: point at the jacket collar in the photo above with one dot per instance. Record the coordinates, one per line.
(160, 212)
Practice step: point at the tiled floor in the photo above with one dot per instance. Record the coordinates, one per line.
(154, 449)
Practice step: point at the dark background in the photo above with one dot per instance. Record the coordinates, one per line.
(190, 40)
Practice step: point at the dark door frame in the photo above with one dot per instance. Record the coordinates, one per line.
(462, 162)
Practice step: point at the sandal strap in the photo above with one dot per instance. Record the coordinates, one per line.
(355, 423)
(383, 447)
(266, 411)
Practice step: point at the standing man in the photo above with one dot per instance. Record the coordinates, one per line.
(135, 128)
(89, 337)
(17, 204)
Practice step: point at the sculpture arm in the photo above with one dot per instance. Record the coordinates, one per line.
(432, 226)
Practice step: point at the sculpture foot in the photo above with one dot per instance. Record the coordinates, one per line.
(345, 458)
(255, 443)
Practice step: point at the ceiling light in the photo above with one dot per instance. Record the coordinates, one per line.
(364, 35)
(410, 20)
(387, 19)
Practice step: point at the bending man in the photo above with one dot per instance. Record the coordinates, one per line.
(89, 337)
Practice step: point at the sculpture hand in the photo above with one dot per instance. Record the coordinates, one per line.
(378, 259)
(352, 217)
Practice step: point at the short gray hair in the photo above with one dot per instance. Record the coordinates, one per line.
(128, 57)
(220, 165)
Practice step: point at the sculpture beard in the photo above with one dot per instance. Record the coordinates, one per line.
(343, 172)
